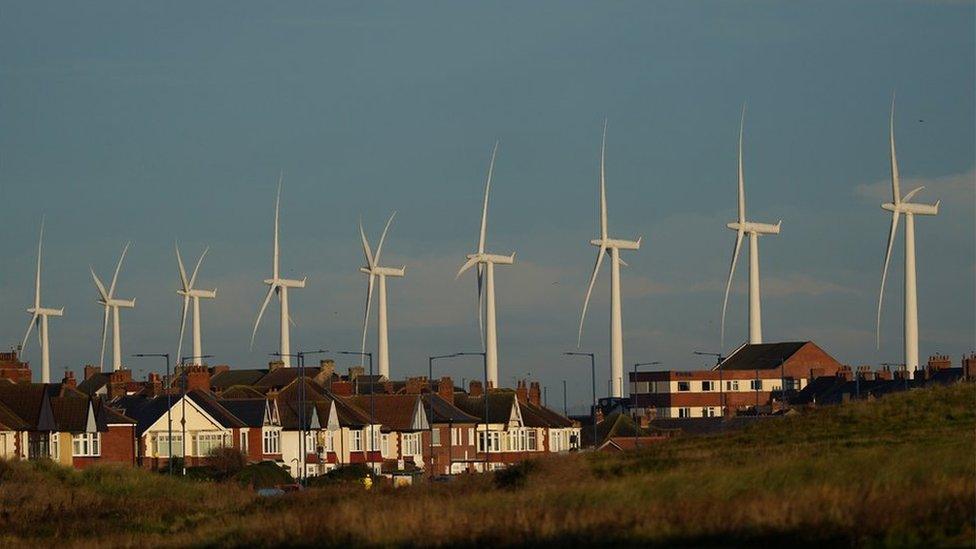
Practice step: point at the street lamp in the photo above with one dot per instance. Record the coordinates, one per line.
(430, 419)
(484, 360)
(302, 447)
(593, 383)
(183, 360)
(372, 398)
(633, 403)
(169, 405)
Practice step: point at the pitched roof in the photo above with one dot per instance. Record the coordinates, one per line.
(279, 378)
(761, 356)
(240, 391)
(249, 410)
(499, 405)
(229, 378)
(107, 416)
(213, 408)
(540, 416)
(72, 414)
(91, 385)
(444, 411)
(394, 412)
(9, 420)
(30, 402)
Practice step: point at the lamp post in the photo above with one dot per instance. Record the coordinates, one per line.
(372, 398)
(593, 383)
(302, 446)
(183, 405)
(169, 405)
(484, 359)
(633, 403)
(430, 418)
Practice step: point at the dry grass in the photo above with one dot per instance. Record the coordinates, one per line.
(900, 471)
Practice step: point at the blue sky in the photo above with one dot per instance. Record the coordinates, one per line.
(151, 122)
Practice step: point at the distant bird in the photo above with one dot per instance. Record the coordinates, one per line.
(741, 227)
(279, 285)
(189, 292)
(903, 205)
(375, 271)
(614, 245)
(112, 304)
(486, 279)
(39, 316)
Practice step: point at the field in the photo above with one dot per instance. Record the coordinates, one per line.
(898, 471)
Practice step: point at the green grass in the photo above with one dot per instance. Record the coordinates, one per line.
(895, 472)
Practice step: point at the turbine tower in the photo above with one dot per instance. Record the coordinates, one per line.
(189, 294)
(112, 305)
(486, 280)
(279, 285)
(904, 205)
(614, 245)
(741, 228)
(375, 271)
(39, 316)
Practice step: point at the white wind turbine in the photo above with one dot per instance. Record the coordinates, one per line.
(112, 304)
(903, 205)
(614, 245)
(189, 294)
(486, 280)
(741, 228)
(279, 285)
(39, 316)
(375, 271)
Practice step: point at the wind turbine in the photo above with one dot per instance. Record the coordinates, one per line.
(741, 228)
(486, 280)
(190, 293)
(112, 305)
(903, 205)
(614, 245)
(39, 316)
(375, 271)
(279, 285)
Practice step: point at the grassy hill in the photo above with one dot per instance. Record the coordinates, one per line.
(898, 471)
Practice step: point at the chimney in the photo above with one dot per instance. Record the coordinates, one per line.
(969, 367)
(117, 382)
(275, 364)
(475, 389)
(902, 374)
(415, 385)
(938, 362)
(326, 368)
(844, 372)
(342, 388)
(154, 384)
(69, 380)
(598, 415)
(883, 374)
(91, 370)
(197, 377)
(521, 391)
(864, 373)
(445, 389)
(356, 371)
(535, 393)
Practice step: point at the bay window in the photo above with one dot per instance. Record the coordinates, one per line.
(86, 445)
(271, 441)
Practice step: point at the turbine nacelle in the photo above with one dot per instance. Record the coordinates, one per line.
(384, 271)
(202, 294)
(44, 311)
(497, 259)
(912, 208)
(285, 282)
(757, 228)
(119, 303)
(617, 243)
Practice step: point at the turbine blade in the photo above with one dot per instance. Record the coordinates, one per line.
(589, 290)
(484, 209)
(101, 356)
(911, 194)
(896, 193)
(366, 250)
(742, 184)
(30, 326)
(481, 303)
(37, 278)
(467, 265)
(369, 301)
(884, 272)
(118, 266)
(728, 285)
(179, 348)
(193, 277)
(603, 184)
(98, 284)
(275, 253)
(264, 306)
(179, 262)
(379, 249)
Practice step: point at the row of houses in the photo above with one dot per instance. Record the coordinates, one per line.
(308, 422)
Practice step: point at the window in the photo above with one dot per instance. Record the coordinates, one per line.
(455, 436)
(494, 441)
(271, 441)
(709, 412)
(356, 445)
(327, 441)
(385, 444)
(38, 445)
(707, 386)
(684, 386)
(411, 444)
(55, 453)
(374, 439)
(311, 442)
(86, 444)
(684, 412)
(756, 385)
(732, 385)
(162, 445)
(243, 441)
(206, 442)
(436, 434)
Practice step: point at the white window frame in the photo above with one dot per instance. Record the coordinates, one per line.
(356, 441)
(55, 446)
(710, 385)
(242, 436)
(270, 441)
(162, 444)
(684, 412)
(86, 445)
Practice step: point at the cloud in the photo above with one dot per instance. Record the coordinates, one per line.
(801, 284)
(959, 188)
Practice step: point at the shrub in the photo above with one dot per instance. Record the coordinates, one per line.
(354, 472)
(514, 477)
(226, 462)
(263, 475)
